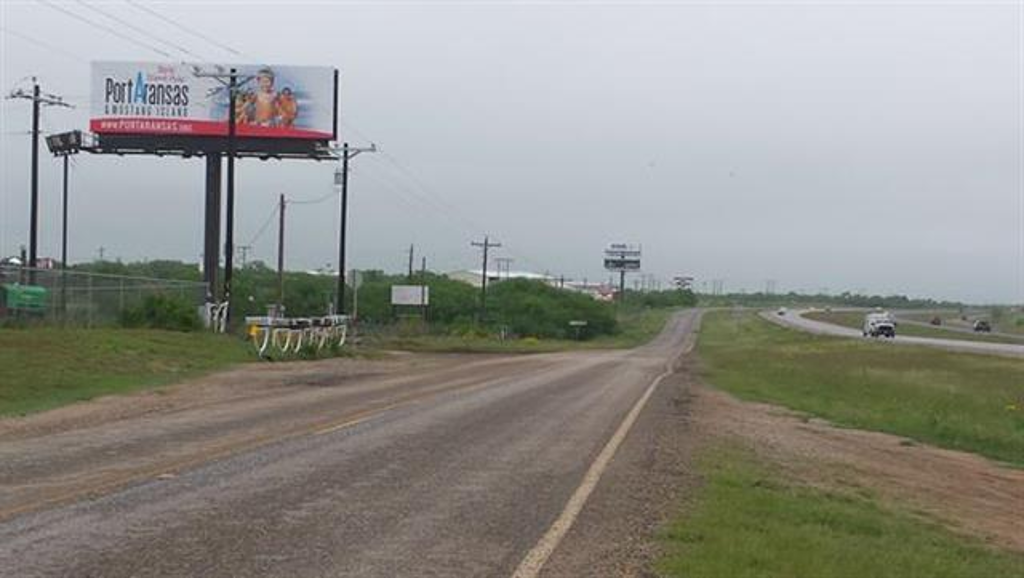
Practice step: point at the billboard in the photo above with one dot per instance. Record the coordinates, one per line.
(172, 99)
(622, 257)
(621, 264)
(414, 295)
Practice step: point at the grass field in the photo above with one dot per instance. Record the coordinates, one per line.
(636, 328)
(956, 400)
(749, 521)
(43, 368)
(855, 320)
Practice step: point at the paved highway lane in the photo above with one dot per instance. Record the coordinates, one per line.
(795, 319)
(448, 471)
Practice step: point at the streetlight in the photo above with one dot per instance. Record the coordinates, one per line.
(64, 145)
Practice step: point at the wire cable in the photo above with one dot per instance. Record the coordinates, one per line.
(143, 31)
(263, 227)
(106, 28)
(183, 28)
(40, 43)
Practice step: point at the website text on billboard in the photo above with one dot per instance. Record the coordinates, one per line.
(150, 98)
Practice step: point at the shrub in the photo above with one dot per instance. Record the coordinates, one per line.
(163, 312)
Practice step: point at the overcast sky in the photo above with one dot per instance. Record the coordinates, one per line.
(839, 145)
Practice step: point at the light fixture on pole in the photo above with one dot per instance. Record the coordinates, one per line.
(64, 145)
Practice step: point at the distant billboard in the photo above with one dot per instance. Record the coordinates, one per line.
(413, 295)
(622, 257)
(164, 99)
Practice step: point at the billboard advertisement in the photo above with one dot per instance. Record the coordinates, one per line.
(161, 99)
(622, 257)
(414, 295)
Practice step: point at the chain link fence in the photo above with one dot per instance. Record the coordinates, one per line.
(52, 296)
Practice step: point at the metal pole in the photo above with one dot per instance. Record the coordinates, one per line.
(423, 288)
(339, 306)
(229, 224)
(622, 286)
(483, 283)
(64, 247)
(33, 234)
(280, 257)
(211, 229)
(412, 248)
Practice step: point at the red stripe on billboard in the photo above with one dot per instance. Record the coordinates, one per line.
(153, 126)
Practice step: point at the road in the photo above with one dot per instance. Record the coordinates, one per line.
(456, 466)
(795, 319)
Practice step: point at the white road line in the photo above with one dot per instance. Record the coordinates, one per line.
(534, 560)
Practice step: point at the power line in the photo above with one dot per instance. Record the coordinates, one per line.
(263, 227)
(106, 28)
(40, 43)
(143, 31)
(183, 28)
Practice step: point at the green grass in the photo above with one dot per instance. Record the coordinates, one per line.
(855, 320)
(636, 327)
(42, 368)
(749, 521)
(962, 401)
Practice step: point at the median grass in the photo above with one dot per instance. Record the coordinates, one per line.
(42, 368)
(961, 401)
(748, 520)
(855, 320)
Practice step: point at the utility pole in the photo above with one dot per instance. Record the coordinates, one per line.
(280, 257)
(102, 250)
(412, 248)
(341, 180)
(38, 99)
(504, 264)
(244, 250)
(486, 245)
(423, 287)
(229, 227)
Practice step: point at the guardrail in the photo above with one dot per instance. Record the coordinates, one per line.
(292, 334)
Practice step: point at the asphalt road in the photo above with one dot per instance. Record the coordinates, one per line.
(795, 319)
(455, 467)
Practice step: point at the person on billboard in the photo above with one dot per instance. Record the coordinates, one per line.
(287, 108)
(245, 107)
(266, 99)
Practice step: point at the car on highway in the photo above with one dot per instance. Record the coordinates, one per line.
(781, 311)
(936, 320)
(982, 326)
(879, 325)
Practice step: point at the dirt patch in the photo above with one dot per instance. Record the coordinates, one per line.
(967, 493)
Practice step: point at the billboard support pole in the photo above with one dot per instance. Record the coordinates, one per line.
(211, 230)
(229, 221)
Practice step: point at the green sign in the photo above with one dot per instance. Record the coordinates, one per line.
(25, 297)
